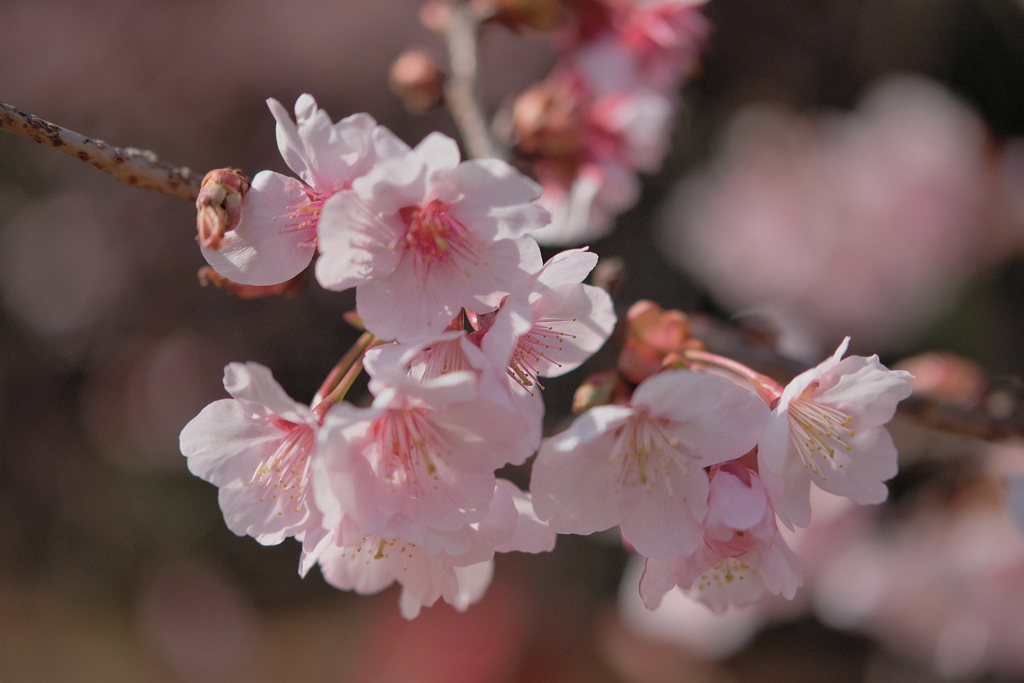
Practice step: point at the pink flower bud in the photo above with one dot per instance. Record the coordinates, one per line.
(220, 205)
(548, 121)
(416, 78)
(653, 337)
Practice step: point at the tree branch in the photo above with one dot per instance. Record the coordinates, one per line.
(135, 167)
(461, 32)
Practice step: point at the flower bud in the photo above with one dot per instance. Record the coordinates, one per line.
(416, 78)
(653, 336)
(599, 390)
(946, 377)
(548, 122)
(219, 205)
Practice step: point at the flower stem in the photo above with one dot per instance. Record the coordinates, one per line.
(767, 388)
(461, 33)
(344, 374)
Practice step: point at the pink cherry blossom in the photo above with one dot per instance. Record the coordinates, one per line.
(277, 235)
(420, 461)
(423, 236)
(641, 466)
(369, 564)
(742, 556)
(256, 448)
(584, 209)
(829, 428)
(865, 223)
(553, 323)
(666, 36)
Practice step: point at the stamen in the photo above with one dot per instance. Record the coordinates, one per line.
(410, 448)
(286, 470)
(436, 239)
(644, 454)
(817, 429)
(303, 217)
(723, 574)
(534, 346)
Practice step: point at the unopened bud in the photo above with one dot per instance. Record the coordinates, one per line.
(416, 78)
(653, 337)
(547, 121)
(435, 15)
(599, 390)
(540, 15)
(208, 276)
(219, 205)
(946, 377)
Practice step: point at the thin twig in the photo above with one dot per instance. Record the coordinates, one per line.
(135, 167)
(461, 33)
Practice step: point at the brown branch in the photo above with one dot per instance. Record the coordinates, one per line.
(135, 167)
(461, 33)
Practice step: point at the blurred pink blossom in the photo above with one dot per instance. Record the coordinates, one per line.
(865, 223)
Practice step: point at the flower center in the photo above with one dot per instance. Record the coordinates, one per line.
(286, 470)
(435, 238)
(723, 574)
(376, 548)
(817, 431)
(644, 453)
(533, 347)
(304, 216)
(409, 446)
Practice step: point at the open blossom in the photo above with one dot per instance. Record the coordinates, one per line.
(423, 236)
(368, 564)
(419, 462)
(829, 428)
(743, 554)
(256, 448)
(641, 466)
(277, 235)
(553, 323)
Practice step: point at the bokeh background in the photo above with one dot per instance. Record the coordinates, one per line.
(802, 199)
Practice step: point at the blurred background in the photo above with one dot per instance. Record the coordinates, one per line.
(840, 167)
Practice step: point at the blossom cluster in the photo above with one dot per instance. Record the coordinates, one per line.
(465, 318)
(699, 462)
(607, 110)
(694, 457)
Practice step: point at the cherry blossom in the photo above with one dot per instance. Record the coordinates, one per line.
(368, 564)
(585, 207)
(640, 466)
(423, 236)
(256, 447)
(277, 233)
(420, 461)
(554, 322)
(742, 556)
(829, 428)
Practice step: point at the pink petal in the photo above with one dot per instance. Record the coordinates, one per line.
(263, 249)
(575, 487)
(356, 244)
(713, 419)
(666, 518)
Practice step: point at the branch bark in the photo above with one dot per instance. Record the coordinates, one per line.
(461, 34)
(134, 167)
